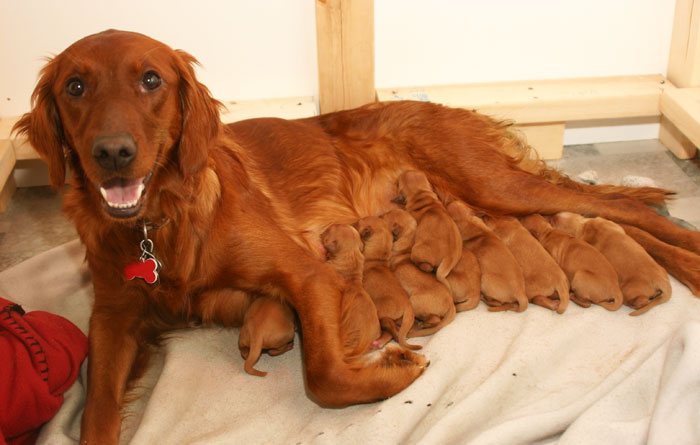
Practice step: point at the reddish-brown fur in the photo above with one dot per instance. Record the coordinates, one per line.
(359, 322)
(437, 246)
(545, 283)
(268, 324)
(502, 280)
(593, 279)
(431, 300)
(391, 300)
(241, 206)
(644, 283)
(680, 263)
(465, 282)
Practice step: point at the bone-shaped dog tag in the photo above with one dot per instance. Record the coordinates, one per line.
(148, 266)
(146, 270)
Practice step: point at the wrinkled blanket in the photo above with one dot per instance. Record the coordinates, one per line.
(586, 376)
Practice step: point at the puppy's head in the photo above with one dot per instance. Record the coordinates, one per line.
(571, 223)
(340, 239)
(376, 237)
(411, 182)
(124, 110)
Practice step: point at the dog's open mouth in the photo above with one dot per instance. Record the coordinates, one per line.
(123, 197)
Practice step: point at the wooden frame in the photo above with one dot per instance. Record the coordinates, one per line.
(540, 109)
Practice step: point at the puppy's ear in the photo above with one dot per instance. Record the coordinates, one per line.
(200, 117)
(395, 231)
(400, 199)
(42, 125)
(366, 233)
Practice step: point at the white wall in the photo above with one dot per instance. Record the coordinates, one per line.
(256, 49)
(248, 49)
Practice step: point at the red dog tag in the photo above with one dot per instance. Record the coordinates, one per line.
(146, 270)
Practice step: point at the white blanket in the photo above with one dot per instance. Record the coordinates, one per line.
(587, 376)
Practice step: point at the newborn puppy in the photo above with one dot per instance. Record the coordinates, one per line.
(465, 282)
(431, 300)
(437, 245)
(268, 324)
(545, 283)
(359, 324)
(644, 283)
(502, 281)
(391, 300)
(592, 277)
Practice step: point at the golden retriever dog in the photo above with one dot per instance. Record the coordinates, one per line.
(644, 283)
(437, 246)
(391, 300)
(593, 279)
(545, 283)
(268, 325)
(502, 280)
(242, 206)
(431, 300)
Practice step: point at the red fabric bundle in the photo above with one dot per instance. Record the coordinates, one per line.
(40, 356)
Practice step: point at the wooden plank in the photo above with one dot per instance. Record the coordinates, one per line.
(674, 140)
(546, 139)
(684, 57)
(286, 108)
(7, 165)
(543, 101)
(681, 106)
(345, 45)
(7, 160)
(6, 193)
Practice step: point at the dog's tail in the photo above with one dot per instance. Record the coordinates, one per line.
(253, 355)
(447, 319)
(524, 157)
(682, 264)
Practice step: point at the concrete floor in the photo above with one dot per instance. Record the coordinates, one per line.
(34, 223)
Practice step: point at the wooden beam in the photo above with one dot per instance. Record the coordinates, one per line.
(286, 108)
(544, 101)
(546, 139)
(7, 165)
(681, 106)
(684, 57)
(345, 44)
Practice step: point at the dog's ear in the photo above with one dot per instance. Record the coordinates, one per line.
(42, 125)
(200, 117)
(396, 231)
(366, 233)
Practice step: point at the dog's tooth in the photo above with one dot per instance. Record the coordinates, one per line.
(104, 193)
(139, 192)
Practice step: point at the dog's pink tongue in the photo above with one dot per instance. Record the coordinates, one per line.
(122, 190)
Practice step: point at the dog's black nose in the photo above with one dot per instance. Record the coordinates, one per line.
(114, 152)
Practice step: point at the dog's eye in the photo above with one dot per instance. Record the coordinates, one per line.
(75, 87)
(151, 80)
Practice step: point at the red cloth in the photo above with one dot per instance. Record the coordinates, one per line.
(40, 356)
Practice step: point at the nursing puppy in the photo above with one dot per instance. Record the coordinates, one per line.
(644, 283)
(592, 277)
(437, 246)
(391, 300)
(502, 281)
(545, 283)
(431, 300)
(465, 282)
(359, 323)
(268, 324)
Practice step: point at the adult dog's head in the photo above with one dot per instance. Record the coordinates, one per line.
(123, 109)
